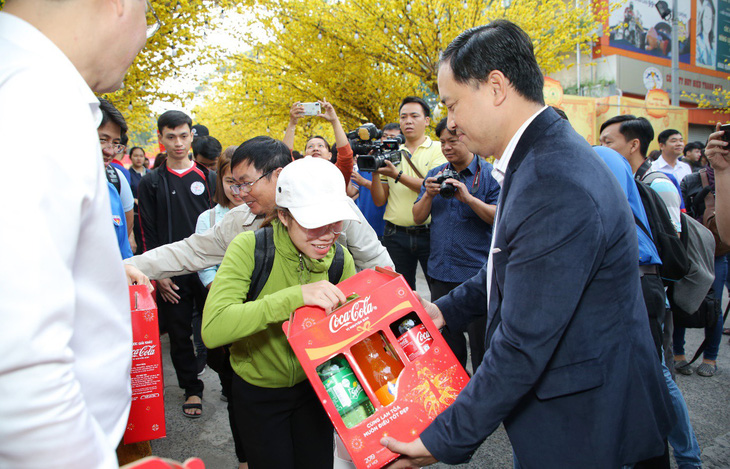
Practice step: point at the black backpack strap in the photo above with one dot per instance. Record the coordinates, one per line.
(643, 228)
(337, 266)
(113, 177)
(263, 261)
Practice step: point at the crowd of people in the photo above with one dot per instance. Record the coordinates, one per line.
(569, 319)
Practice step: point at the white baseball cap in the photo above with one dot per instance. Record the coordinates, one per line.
(313, 190)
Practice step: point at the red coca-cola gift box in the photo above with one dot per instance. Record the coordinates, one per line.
(377, 363)
(147, 414)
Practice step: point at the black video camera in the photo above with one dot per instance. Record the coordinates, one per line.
(447, 189)
(371, 152)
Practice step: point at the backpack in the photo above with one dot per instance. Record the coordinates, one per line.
(708, 217)
(264, 254)
(113, 177)
(672, 252)
(692, 299)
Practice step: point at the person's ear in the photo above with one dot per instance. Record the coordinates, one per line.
(283, 218)
(496, 84)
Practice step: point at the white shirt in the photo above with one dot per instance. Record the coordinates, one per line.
(498, 173)
(679, 171)
(66, 349)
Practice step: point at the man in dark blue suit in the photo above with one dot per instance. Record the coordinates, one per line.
(570, 367)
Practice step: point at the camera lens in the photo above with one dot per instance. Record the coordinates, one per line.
(447, 190)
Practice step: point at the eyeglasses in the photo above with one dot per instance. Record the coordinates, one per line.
(117, 147)
(153, 21)
(315, 233)
(245, 187)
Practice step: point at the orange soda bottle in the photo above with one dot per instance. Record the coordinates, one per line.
(379, 366)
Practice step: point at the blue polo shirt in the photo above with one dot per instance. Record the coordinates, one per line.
(620, 168)
(373, 214)
(459, 238)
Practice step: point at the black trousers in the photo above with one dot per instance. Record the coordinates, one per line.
(477, 330)
(177, 320)
(407, 250)
(226, 376)
(282, 428)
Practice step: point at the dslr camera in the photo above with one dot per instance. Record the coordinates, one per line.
(447, 189)
(370, 151)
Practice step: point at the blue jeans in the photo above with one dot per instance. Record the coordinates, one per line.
(407, 249)
(713, 334)
(681, 437)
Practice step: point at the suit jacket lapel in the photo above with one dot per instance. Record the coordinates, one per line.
(528, 140)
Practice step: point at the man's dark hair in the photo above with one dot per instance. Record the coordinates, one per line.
(207, 147)
(110, 114)
(392, 126)
(264, 153)
(693, 146)
(441, 126)
(416, 99)
(633, 127)
(124, 140)
(173, 119)
(500, 45)
(664, 136)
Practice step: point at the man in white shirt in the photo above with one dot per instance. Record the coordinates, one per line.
(66, 351)
(671, 144)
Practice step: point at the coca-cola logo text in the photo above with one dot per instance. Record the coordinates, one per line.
(360, 309)
(146, 351)
(423, 337)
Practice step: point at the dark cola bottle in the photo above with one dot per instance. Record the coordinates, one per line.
(413, 338)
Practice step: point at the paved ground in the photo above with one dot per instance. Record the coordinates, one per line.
(209, 437)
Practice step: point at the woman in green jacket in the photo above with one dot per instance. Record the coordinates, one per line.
(280, 420)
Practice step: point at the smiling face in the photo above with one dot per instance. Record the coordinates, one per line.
(110, 134)
(454, 150)
(673, 147)
(314, 248)
(262, 197)
(228, 180)
(472, 113)
(317, 148)
(612, 138)
(177, 141)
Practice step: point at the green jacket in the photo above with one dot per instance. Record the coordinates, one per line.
(260, 353)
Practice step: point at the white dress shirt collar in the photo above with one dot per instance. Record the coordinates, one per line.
(500, 166)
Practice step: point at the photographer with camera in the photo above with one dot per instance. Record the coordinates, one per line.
(461, 197)
(408, 242)
(318, 146)
(361, 182)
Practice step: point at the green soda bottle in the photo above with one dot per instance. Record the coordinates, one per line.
(345, 390)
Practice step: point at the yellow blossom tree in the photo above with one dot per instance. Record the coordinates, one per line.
(364, 56)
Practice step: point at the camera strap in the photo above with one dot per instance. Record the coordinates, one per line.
(407, 154)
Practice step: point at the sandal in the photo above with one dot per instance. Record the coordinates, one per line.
(683, 367)
(198, 406)
(707, 370)
(726, 331)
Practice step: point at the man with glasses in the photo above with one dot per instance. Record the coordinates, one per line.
(112, 130)
(170, 199)
(65, 311)
(257, 173)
